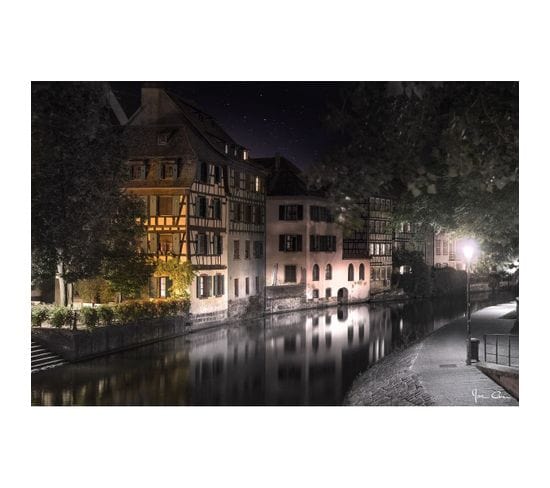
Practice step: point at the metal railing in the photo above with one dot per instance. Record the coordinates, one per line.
(501, 349)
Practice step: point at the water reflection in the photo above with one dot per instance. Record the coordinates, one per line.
(300, 358)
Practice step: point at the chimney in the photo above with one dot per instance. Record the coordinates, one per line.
(151, 92)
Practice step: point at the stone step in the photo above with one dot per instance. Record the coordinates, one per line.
(41, 354)
(47, 363)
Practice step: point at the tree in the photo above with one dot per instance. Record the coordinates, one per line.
(78, 171)
(448, 151)
(418, 281)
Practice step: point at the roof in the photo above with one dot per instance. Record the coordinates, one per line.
(285, 178)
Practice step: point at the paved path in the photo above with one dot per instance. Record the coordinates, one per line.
(433, 372)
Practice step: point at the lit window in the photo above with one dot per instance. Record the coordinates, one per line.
(245, 154)
(258, 184)
(226, 149)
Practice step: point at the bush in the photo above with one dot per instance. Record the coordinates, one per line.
(39, 314)
(89, 316)
(133, 311)
(61, 316)
(105, 314)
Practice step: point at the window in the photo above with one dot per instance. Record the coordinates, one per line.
(438, 247)
(217, 174)
(322, 243)
(216, 208)
(257, 184)
(258, 249)
(315, 294)
(247, 285)
(328, 272)
(226, 149)
(165, 205)
(201, 207)
(315, 273)
(291, 212)
(371, 249)
(247, 249)
(202, 244)
(245, 154)
(236, 249)
(328, 294)
(377, 227)
(163, 287)
(383, 249)
(203, 173)
(162, 139)
(218, 285)
(217, 248)
(388, 205)
(445, 247)
(290, 274)
(290, 243)
(377, 204)
(377, 249)
(203, 286)
(350, 272)
(137, 171)
(236, 290)
(257, 285)
(248, 214)
(165, 243)
(361, 272)
(168, 171)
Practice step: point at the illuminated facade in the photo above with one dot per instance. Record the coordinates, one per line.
(202, 195)
(304, 265)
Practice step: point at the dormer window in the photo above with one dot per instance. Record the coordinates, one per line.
(245, 154)
(226, 149)
(137, 171)
(162, 139)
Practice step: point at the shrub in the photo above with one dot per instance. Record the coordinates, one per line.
(39, 314)
(89, 316)
(61, 316)
(105, 314)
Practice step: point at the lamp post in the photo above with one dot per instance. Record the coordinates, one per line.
(468, 253)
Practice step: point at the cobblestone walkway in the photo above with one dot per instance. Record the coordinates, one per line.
(390, 382)
(433, 372)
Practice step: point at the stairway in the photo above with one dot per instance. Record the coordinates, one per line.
(41, 358)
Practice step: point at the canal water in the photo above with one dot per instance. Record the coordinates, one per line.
(296, 358)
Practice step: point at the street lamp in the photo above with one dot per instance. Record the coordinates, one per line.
(468, 251)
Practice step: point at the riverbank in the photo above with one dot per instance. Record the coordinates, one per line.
(433, 371)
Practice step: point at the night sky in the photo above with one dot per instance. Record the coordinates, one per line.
(265, 117)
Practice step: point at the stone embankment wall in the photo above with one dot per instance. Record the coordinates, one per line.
(84, 344)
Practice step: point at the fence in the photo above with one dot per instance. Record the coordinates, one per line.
(501, 349)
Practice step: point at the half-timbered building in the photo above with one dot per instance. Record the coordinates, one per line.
(185, 167)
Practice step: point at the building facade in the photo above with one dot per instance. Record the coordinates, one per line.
(374, 241)
(304, 265)
(202, 195)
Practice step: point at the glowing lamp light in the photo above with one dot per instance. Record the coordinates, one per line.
(468, 251)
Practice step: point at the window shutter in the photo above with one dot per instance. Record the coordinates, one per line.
(176, 243)
(143, 244)
(153, 243)
(220, 245)
(198, 285)
(333, 243)
(281, 242)
(176, 205)
(209, 286)
(281, 212)
(299, 242)
(300, 212)
(153, 205)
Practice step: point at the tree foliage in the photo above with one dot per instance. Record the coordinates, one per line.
(448, 152)
(181, 274)
(83, 224)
